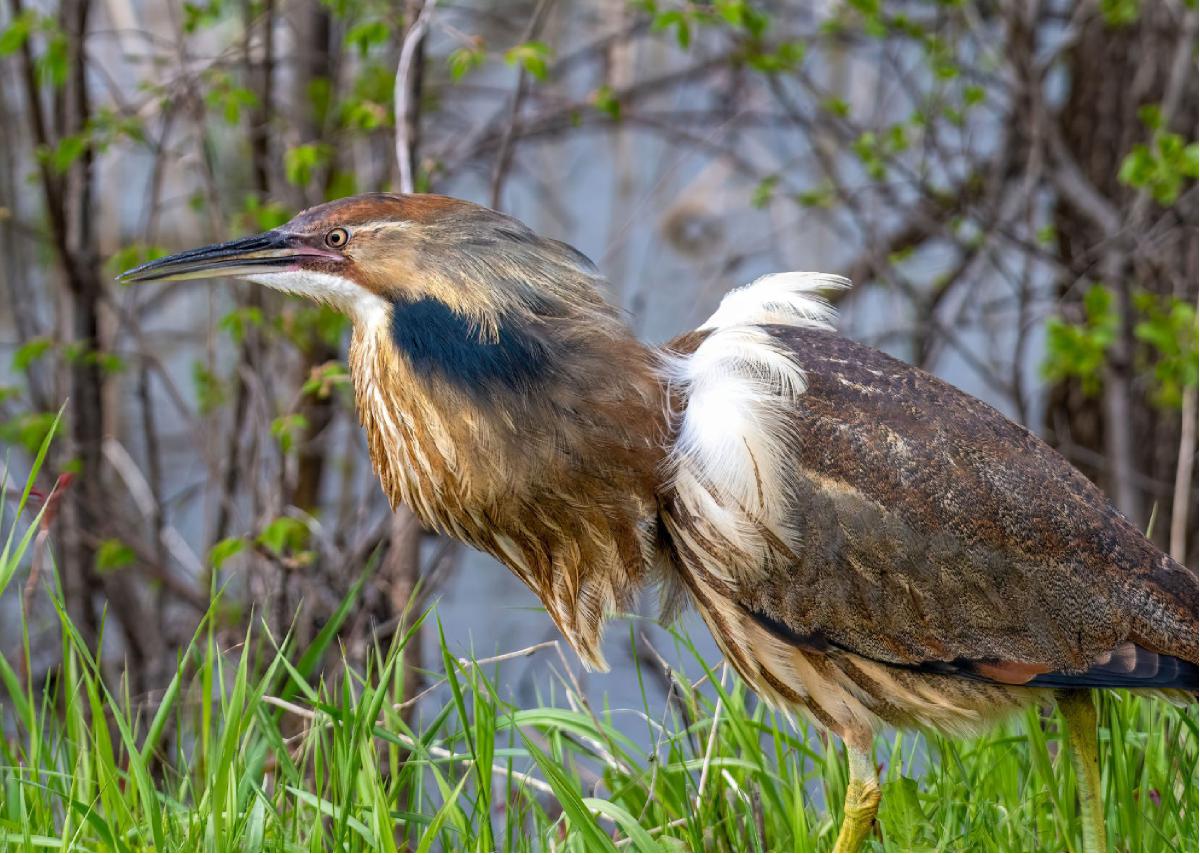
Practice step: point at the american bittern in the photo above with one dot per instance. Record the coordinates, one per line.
(867, 544)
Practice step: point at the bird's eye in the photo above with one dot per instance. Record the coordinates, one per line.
(337, 238)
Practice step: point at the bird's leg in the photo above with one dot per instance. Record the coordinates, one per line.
(1080, 713)
(862, 795)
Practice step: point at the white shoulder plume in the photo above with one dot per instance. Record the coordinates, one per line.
(728, 461)
(793, 299)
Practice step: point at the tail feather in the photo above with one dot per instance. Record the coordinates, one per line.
(1128, 667)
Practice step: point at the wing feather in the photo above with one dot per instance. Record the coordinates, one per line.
(923, 529)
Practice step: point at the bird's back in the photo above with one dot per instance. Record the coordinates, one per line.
(828, 500)
(986, 498)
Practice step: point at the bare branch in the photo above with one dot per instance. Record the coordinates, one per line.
(1182, 499)
(403, 94)
(504, 155)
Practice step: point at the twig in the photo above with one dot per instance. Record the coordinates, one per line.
(675, 823)
(143, 496)
(658, 742)
(441, 753)
(504, 155)
(575, 694)
(1183, 478)
(467, 663)
(403, 94)
(49, 511)
(1077, 189)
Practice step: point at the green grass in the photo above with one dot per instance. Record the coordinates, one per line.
(249, 748)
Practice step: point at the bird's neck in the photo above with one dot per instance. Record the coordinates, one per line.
(540, 443)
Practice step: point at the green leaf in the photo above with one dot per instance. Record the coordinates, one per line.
(17, 32)
(320, 98)
(210, 392)
(1161, 167)
(30, 430)
(238, 322)
(132, 255)
(342, 183)
(225, 549)
(197, 16)
(785, 57)
(1080, 351)
(300, 161)
(367, 35)
(448, 808)
(69, 149)
(867, 148)
(1120, 13)
(112, 555)
(836, 106)
(945, 70)
(284, 535)
(897, 138)
(1150, 115)
(307, 323)
(606, 102)
(732, 11)
(464, 60)
(764, 192)
(817, 197)
(531, 56)
(227, 98)
(108, 362)
(1137, 166)
(365, 115)
(53, 64)
(30, 352)
(901, 818)
(262, 216)
(677, 20)
(286, 428)
(1168, 326)
(323, 378)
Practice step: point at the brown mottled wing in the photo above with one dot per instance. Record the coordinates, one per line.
(932, 532)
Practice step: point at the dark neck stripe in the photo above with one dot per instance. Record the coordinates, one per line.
(443, 344)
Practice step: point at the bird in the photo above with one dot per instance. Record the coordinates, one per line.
(868, 545)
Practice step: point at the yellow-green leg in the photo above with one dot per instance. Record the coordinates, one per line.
(862, 797)
(1080, 713)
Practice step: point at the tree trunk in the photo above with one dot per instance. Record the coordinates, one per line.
(1119, 438)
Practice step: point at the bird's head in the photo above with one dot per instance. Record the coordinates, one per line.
(363, 254)
(496, 386)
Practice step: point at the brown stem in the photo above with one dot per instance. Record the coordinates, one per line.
(504, 155)
(1181, 501)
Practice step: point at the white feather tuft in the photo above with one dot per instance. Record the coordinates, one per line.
(730, 457)
(792, 299)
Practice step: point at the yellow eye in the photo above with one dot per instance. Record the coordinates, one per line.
(337, 238)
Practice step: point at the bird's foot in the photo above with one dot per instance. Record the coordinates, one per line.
(862, 803)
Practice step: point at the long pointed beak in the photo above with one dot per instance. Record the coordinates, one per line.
(264, 253)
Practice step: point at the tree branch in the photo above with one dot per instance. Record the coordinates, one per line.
(404, 95)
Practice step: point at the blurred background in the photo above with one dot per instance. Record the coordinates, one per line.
(1010, 184)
